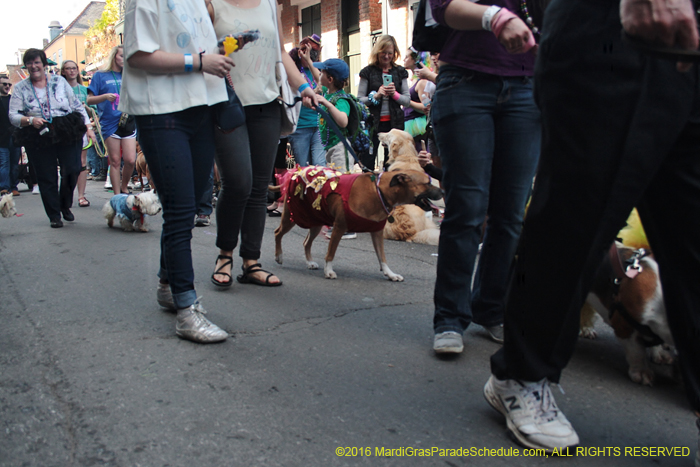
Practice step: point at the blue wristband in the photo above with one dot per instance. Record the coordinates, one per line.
(303, 86)
(188, 63)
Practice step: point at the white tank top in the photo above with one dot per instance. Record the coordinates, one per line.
(254, 74)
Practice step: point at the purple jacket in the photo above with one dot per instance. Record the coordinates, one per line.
(480, 50)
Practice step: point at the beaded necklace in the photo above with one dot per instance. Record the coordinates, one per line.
(48, 101)
(320, 119)
(528, 19)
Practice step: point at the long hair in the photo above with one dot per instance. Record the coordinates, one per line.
(383, 43)
(63, 71)
(109, 63)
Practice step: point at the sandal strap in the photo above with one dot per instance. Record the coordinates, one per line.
(223, 265)
(252, 268)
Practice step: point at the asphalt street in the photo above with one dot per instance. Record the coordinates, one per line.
(92, 373)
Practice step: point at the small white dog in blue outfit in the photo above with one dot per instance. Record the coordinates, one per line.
(132, 210)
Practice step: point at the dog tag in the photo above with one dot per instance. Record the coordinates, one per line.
(390, 219)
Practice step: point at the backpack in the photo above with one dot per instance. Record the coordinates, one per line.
(360, 127)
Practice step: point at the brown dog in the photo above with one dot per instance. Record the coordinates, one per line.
(633, 307)
(318, 196)
(402, 150)
(142, 168)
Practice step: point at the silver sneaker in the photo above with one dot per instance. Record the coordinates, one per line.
(495, 333)
(531, 413)
(448, 342)
(165, 297)
(192, 325)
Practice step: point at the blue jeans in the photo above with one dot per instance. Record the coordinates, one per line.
(488, 133)
(305, 142)
(179, 149)
(96, 162)
(9, 167)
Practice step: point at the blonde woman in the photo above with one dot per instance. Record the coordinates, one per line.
(104, 92)
(384, 99)
(71, 72)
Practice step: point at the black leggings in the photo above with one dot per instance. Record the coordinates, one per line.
(245, 159)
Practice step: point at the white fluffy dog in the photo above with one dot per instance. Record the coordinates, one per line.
(132, 210)
(7, 205)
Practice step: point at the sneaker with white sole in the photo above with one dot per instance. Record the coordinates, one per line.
(202, 220)
(164, 296)
(495, 333)
(531, 413)
(35, 190)
(192, 325)
(448, 342)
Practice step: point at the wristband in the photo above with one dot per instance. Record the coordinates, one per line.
(303, 86)
(188, 63)
(488, 16)
(396, 95)
(200, 60)
(372, 99)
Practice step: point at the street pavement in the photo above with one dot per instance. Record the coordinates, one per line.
(92, 373)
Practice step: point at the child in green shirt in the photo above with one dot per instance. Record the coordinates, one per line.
(334, 74)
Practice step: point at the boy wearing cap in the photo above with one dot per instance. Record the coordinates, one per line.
(334, 74)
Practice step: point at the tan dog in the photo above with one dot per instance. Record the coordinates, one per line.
(411, 225)
(142, 169)
(402, 150)
(634, 308)
(318, 196)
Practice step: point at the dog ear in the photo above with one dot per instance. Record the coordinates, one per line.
(399, 179)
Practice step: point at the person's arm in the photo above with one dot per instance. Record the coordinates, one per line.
(16, 110)
(671, 22)
(168, 62)
(340, 117)
(465, 15)
(426, 73)
(308, 63)
(420, 88)
(362, 92)
(404, 98)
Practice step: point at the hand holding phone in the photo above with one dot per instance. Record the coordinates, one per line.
(387, 78)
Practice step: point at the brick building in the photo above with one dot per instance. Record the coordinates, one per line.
(348, 28)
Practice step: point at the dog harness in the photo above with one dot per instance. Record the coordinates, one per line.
(122, 210)
(307, 198)
(630, 268)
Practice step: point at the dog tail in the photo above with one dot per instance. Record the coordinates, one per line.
(107, 210)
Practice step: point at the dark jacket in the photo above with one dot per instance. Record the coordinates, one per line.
(373, 75)
(6, 127)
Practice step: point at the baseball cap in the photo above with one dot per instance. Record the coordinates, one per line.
(335, 67)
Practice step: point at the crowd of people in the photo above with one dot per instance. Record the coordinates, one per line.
(596, 143)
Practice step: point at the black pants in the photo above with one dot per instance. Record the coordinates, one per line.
(246, 159)
(45, 162)
(369, 160)
(620, 130)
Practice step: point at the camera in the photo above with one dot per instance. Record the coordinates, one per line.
(44, 129)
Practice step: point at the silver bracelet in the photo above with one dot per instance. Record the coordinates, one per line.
(488, 17)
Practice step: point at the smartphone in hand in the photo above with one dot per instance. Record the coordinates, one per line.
(387, 79)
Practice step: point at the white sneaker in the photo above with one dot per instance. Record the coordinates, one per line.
(448, 342)
(192, 325)
(108, 184)
(531, 413)
(35, 190)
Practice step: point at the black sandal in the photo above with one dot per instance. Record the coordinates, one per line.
(229, 261)
(248, 278)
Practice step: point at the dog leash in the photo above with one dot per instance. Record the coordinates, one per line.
(336, 130)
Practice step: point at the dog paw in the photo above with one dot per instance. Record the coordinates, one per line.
(643, 376)
(278, 258)
(394, 277)
(661, 355)
(311, 265)
(588, 333)
(331, 275)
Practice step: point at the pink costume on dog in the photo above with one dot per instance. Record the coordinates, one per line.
(307, 192)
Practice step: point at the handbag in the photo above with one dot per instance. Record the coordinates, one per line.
(67, 129)
(428, 37)
(126, 126)
(289, 100)
(229, 115)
